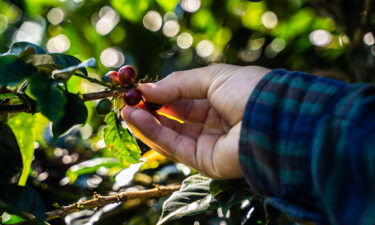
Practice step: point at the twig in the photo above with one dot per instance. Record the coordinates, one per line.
(85, 97)
(99, 201)
(93, 80)
(363, 23)
(13, 108)
(103, 94)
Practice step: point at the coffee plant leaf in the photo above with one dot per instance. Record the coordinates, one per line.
(193, 198)
(10, 156)
(51, 101)
(65, 61)
(24, 199)
(13, 70)
(218, 186)
(41, 60)
(23, 126)
(228, 199)
(67, 72)
(119, 141)
(20, 47)
(8, 218)
(230, 192)
(75, 112)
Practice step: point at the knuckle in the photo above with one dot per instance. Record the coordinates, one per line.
(175, 74)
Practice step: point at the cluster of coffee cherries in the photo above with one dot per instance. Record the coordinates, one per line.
(124, 77)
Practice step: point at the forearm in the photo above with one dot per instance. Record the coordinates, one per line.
(284, 141)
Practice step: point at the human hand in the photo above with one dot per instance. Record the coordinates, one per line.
(211, 102)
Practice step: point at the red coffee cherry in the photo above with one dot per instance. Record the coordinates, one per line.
(132, 97)
(126, 75)
(111, 77)
(153, 106)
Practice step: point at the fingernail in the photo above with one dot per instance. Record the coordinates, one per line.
(147, 85)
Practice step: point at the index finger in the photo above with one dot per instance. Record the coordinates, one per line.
(190, 84)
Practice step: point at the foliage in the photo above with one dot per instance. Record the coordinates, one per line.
(118, 139)
(55, 148)
(193, 198)
(23, 126)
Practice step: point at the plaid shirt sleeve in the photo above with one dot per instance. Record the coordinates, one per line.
(308, 145)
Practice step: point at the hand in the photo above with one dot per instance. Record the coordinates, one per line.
(211, 102)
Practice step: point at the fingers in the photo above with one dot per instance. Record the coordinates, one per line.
(153, 133)
(191, 84)
(188, 129)
(191, 110)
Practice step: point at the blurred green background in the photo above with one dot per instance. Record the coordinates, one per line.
(161, 36)
(327, 38)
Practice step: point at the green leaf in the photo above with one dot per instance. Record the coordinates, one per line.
(230, 192)
(66, 72)
(13, 70)
(233, 197)
(23, 126)
(19, 47)
(51, 101)
(21, 198)
(218, 186)
(65, 65)
(193, 198)
(75, 113)
(7, 218)
(119, 140)
(10, 157)
(65, 61)
(90, 166)
(39, 60)
(10, 96)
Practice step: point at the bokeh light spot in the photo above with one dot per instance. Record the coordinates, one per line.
(29, 31)
(369, 39)
(170, 16)
(276, 46)
(171, 28)
(58, 44)
(205, 48)
(320, 37)
(256, 43)
(55, 16)
(269, 19)
(184, 40)
(152, 21)
(250, 55)
(190, 5)
(111, 57)
(42, 176)
(107, 21)
(3, 23)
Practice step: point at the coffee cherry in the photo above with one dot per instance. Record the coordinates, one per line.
(126, 75)
(104, 106)
(132, 97)
(111, 77)
(152, 106)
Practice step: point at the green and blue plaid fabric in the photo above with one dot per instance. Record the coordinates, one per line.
(308, 144)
